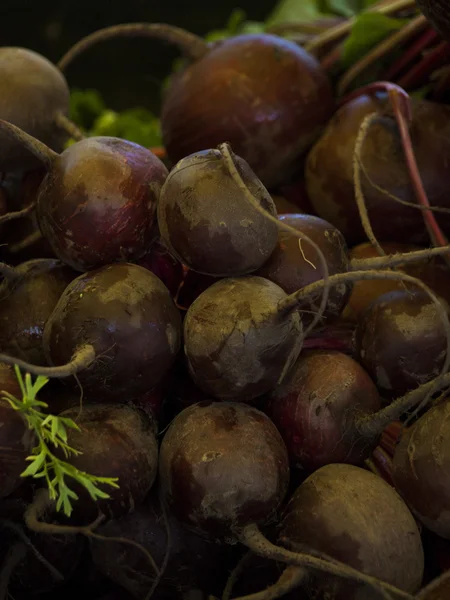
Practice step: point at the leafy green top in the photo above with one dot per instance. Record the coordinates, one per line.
(51, 431)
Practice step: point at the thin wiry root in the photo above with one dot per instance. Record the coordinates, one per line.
(290, 579)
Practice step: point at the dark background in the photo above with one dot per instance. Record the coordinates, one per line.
(127, 71)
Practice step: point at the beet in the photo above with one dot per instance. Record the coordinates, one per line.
(236, 344)
(114, 441)
(375, 531)
(206, 221)
(159, 261)
(293, 266)
(16, 440)
(193, 563)
(421, 462)
(193, 285)
(97, 203)
(28, 296)
(320, 410)
(400, 341)
(35, 98)
(116, 328)
(329, 170)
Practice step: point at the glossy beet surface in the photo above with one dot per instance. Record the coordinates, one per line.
(127, 314)
(265, 95)
(421, 467)
(295, 263)
(208, 222)
(317, 408)
(237, 346)
(222, 466)
(354, 516)
(97, 205)
(400, 341)
(26, 304)
(33, 92)
(329, 170)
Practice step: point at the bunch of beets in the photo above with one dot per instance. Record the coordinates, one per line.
(252, 336)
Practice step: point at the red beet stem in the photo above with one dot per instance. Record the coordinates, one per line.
(42, 152)
(412, 53)
(437, 57)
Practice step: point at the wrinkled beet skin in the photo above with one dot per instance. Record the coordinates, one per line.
(356, 517)
(27, 303)
(401, 342)
(237, 347)
(222, 466)
(165, 266)
(127, 314)
(288, 264)
(16, 440)
(329, 171)
(265, 95)
(194, 562)
(206, 220)
(316, 408)
(115, 441)
(97, 205)
(421, 466)
(34, 90)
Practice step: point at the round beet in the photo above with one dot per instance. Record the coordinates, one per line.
(421, 465)
(267, 96)
(293, 264)
(97, 204)
(330, 178)
(35, 97)
(355, 517)
(113, 441)
(159, 261)
(223, 465)
(319, 407)
(206, 220)
(400, 341)
(28, 296)
(236, 343)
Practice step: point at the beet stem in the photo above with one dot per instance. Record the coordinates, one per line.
(27, 241)
(69, 127)
(226, 153)
(192, 46)
(432, 59)
(18, 214)
(395, 260)
(290, 579)
(335, 33)
(252, 537)
(390, 43)
(415, 50)
(42, 152)
(13, 558)
(9, 272)
(81, 359)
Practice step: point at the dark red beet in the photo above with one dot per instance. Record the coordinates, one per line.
(16, 440)
(206, 220)
(222, 466)
(400, 341)
(236, 344)
(193, 285)
(27, 299)
(354, 516)
(194, 562)
(329, 170)
(97, 205)
(421, 465)
(318, 407)
(265, 95)
(294, 263)
(159, 261)
(114, 441)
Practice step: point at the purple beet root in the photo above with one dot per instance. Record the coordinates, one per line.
(28, 297)
(329, 170)
(375, 531)
(226, 96)
(294, 264)
(400, 341)
(159, 261)
(318, 408)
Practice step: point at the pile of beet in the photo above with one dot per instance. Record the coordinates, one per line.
(229, 378)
